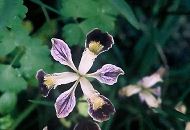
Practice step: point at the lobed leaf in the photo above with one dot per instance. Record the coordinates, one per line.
(7, 102)
(11, 12)
(11, 79)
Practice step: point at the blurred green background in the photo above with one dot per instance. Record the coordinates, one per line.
(147, 33)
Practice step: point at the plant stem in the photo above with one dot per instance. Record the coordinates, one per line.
(38, 2)
(22, 116)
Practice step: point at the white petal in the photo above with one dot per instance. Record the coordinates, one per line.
(45, 128)
(187, 127)
(149, 99)
(151, 80)
(129, 90)
(86, 61)
(181, 107)
(100, 108)
(56, 79)
(87, 88)
(49, 81)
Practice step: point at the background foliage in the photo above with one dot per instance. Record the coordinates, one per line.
(148, 34)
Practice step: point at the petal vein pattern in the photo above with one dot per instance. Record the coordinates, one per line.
(66, 102)
(62, 53)
(108, 74)
(100, 107)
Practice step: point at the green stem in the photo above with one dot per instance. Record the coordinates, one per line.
(15, 58)
(22, 116)
(38, 2)
(45, 13)
(18, 54)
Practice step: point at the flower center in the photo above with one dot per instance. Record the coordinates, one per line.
(145, 89)
(95, 47)
(97, 103)
(49, 81)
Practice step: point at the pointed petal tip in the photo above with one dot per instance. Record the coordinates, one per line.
(108, 74)
(55, 39)
(62, 53)
(66, 102)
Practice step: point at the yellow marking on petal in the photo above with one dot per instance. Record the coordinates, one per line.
(49, 81)
(95, 47)
(97, 103)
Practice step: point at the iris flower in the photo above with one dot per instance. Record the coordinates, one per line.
(100, 108)
(146, 90)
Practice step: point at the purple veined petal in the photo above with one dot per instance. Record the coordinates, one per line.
(100, 107)
(129, 90)
(87, 125)
(150, 100)
(86, 61)
(66, 102)
(49, 81)
(108, 74)
(62, 53)
(98, 41)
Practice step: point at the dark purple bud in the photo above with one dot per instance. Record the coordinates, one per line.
(86, 125)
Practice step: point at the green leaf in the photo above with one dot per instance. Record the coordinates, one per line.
(11, 79)
(41, 102)
(7, 102)
(83, 10)
(104, 22)
(79, 30)
(166, 111)
(98, 15)
(11, 11)
(82, 107)
(126, 11)
(37, 56)
(57, 68)
(6, 122)
(46, 31)
(73, 34)
(12, 38)
(65, 123)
